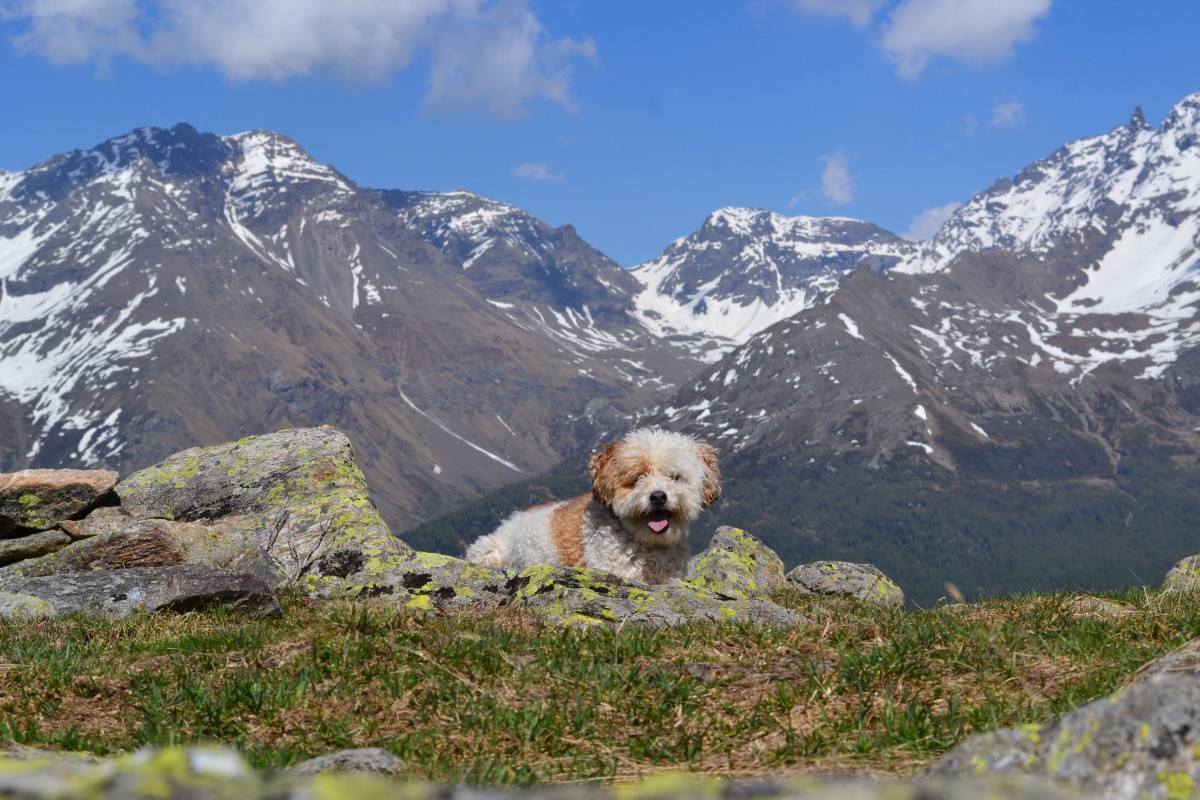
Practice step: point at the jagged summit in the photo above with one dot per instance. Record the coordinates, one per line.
(746, 269)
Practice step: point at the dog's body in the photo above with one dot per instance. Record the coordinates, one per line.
(646, 490)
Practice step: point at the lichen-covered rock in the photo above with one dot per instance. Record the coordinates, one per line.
(845, 579)
(105, 519)
(32, 546)
(206, 772)
(1141, 742)
(120, 592)
(423, 581)
(38, 499)
(155, 543)
(297, 494)
(736, 564)
(557, 595)
(1183, 577)
(359, 759)
(583, 597)
(13, 604)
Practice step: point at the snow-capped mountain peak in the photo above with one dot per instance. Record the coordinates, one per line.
(746, 269)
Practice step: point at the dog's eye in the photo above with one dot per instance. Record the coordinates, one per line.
(675, 476)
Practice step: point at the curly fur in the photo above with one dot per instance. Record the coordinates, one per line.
(646, 490)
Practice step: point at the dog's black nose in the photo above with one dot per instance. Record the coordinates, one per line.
(658, 498)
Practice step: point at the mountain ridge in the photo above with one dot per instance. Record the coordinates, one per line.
(174, 286)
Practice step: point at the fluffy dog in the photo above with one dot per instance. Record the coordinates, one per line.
(646, 489)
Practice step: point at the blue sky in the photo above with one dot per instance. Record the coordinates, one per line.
(629, 120)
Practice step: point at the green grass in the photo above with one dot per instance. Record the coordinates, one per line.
(497, 698)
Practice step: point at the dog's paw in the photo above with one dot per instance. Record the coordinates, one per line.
(487, 551)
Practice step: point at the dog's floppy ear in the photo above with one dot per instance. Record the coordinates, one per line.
(712, 475)
(603, 488)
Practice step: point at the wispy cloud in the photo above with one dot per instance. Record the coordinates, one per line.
(976, 32)
(1008, 115)
(859, 12)
(929, 222)
(490, 54)
(536, 172)
(837, 184)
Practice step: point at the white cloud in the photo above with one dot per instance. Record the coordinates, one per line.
(536, 172)
(975, 32)
(859, 12)
(1008, 115)
(836, 182)
(929, 222)
(483, 53)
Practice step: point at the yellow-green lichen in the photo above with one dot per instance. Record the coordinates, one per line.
(671, 784)
(421, 602)
(29, 500)
(1180, 785)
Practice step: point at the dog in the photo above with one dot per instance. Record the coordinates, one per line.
(646, 489)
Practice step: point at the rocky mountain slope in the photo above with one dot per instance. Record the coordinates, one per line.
(1019, 395)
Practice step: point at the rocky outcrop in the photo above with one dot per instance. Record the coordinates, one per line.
(844, 579)
(292, 508)
(1143, 741)
(294, 496)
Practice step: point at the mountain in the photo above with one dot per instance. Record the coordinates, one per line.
(169, 288)
(746, 269)
(1014, 404)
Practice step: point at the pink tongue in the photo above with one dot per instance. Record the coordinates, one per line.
(658, 521)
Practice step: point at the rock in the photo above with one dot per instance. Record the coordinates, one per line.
(155, 543)
(1183, 577)
(360, 759)
(845, 579)
(197, 590)
(206, 772)
(296, 494)
(1141, 742)
(736, 564)
(422, 581)
(739, 567)
(106, 519)
(122, 591)
(17, 605)
(32, 546)
(580, 597)
(38, 499)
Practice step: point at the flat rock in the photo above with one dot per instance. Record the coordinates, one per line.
(422, 581)
(130, 542)
(296, 495)
(33, 545)
(846, 579)
(120, 592)
(580, 597)
(372, 760)
(39, 499)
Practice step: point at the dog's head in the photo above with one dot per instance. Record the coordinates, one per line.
(656, 482)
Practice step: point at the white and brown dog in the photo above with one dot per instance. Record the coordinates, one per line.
(646, 490)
